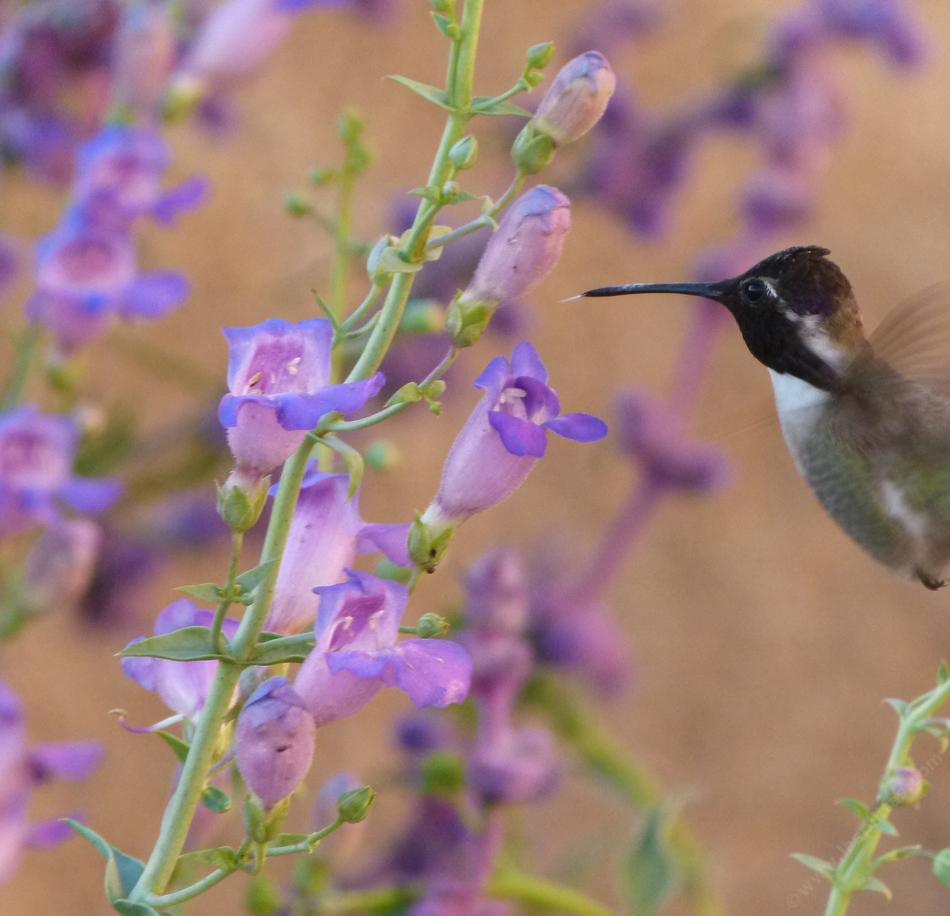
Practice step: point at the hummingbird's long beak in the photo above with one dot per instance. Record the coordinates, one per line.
(706, 290)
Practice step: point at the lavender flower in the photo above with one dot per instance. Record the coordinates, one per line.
(278, 376)
(21, 771)
(145, 49)
(576, 99)
(36, 479)
(86, 276)
(356, 653)
(60, 564)
(500, 444)
(182, 686)
(887, 23)
(652, 434)
(9, 261)
(273, 741)
(520, 765)
(325, 535)
(119, 178)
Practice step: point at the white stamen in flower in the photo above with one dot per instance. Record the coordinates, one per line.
(512, 402)
(253, 381)
(293, 367)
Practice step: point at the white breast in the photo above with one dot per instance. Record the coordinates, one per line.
(799, 407)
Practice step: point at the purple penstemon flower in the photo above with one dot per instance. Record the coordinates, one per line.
(86, 275)
(182, 686)
(279, 381)
(357, 652)
(326, 533)
(504, 437)
(22, 769)
(273, 741)
(36, 478)
(119, 178)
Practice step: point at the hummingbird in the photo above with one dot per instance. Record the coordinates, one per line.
(866, 418)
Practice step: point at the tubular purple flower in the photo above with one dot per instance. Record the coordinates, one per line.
(9, 261)
(60, 564)
(326, 533)
(518, 766)
(36, 480)
(145, 49)
(888, 23)
(119, 178)
(278, 376)
(651, 433)
(182, 686)
(273, 741)
(500, 444)
(21, 770)
(576, 99)
(356, 652)
(525, 247)
(496, 593)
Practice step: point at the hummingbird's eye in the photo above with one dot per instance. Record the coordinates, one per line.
(755, 290)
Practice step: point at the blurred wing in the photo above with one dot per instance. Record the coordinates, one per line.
(914, 338)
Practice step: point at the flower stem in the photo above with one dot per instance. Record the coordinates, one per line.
(181, 806)
(538, 892)
(237, 540)
(856, 864)
(459, 93)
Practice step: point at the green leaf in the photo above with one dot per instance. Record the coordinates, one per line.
(351, 458)
(429, 93)
(651, 871)
(216, 800)
(248, 582)
(216, 857)
(209, 592)
(892, 855)
(941, 866)
(486, 105)
(389, 262)
(825, 869)
(179, 747)
(899, 706)
(943, 673)
(131, 908)
(283, 649)
(885, 826)
(446, 26)
(185, 645)
(877, 885)
(857, 808)
(290, 839)
(328, 313)
(122, 871)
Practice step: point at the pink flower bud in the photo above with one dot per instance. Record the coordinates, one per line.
(905, 786)
(524, 249)
(274, 741)
(576, 99)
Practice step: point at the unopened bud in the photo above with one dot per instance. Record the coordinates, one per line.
(524, 248)
(382, 455)
(538, 56)
(577, 98)
(273, 741)
(353, 806)
(466, 320)
(905, 786)
(464, 152)
(431, 626)
(240, 502)
(532, 149)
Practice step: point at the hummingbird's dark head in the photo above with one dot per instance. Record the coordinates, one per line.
(795, 310)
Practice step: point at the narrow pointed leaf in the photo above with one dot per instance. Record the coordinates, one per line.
(122, 871)
(899, 706)
(429, 93)
(878, 886)
(886, 826)
(943, 673)
(651, 871)
(857, 808)
(248, 581)
(892, 855)
(184, 645)
(352, 459)
(208, 592)
(485, 105)
(284, 649)
(216, 857)
(179, 747)
(825, 869)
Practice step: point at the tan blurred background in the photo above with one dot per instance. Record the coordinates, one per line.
(764, 640)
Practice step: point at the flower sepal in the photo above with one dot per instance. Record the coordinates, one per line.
(532, 150)
(353, 806)
(428, 543)
(240, 503)
(467, 319)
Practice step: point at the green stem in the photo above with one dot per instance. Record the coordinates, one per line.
(381, 900)
(237, 540)
(856, 864)
(485, 221)
(181, 806)
(553, 897)
(165, 901)
(306, 845)
(459, 93)
(25, 349)
(361, 309)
